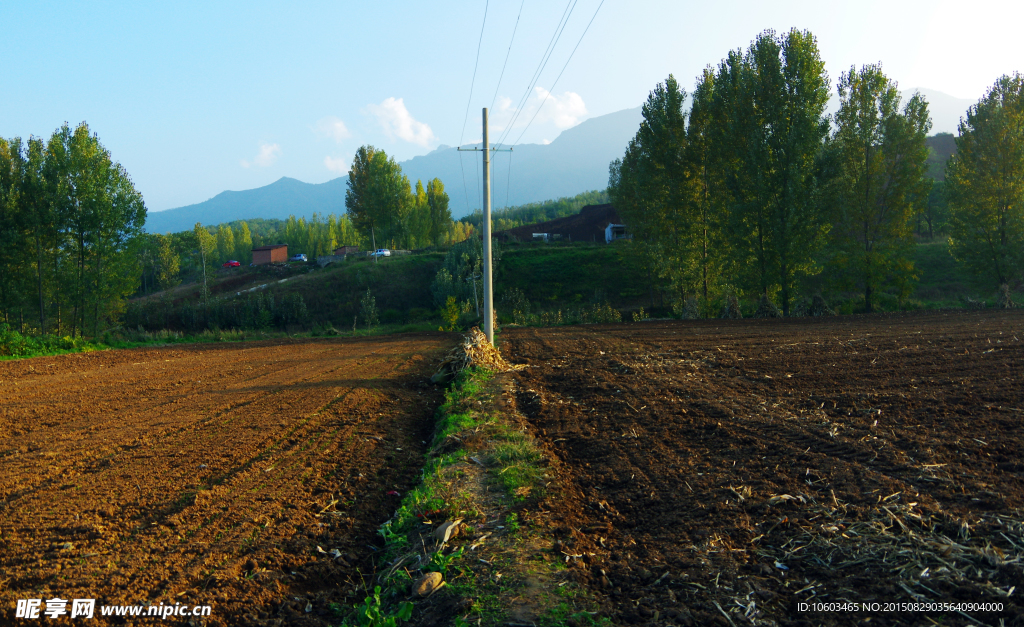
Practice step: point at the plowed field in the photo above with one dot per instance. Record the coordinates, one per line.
(209, 474)
(727, 472)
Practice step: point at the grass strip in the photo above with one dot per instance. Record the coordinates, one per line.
(483, 473)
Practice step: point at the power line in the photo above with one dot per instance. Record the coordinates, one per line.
(559, 29)
(548, 51)
(502, 75)
(560, 73)
(473, 82)
(469, 101)
(508, 181)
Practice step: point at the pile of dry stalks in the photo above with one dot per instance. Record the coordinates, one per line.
(475, 350)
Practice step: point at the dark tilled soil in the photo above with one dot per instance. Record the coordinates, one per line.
(726, 472)
(209, 474)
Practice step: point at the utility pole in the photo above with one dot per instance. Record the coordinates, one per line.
(488, 285)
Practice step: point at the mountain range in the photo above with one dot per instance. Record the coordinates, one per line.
(576, 161)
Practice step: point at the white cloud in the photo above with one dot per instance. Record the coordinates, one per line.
(562, 112)
(333, 128)
(336, 165)
(565, 110)
(398, 122)
(267, 155)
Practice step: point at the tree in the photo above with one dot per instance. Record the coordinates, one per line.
(225, 242)
(418, 217)
(243, 243)
(708, 246)
(378, 197)
(882, 156)
(168, 263)
(769, 127)
(649, 185)
(985, 184)
(40, 225)
(205, 245)
(11, 226)
(99, 216)
(440, 214)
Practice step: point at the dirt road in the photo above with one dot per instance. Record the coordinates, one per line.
(209, 474)
(724, 472)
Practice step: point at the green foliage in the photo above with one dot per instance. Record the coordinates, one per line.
(531, 213)
(768, 127)
(731, 194)
(461, 274)
(373, 614)
(379, 198)
(440, 216)
(515, 306)
(878, 184)
(368, 308)
(70, 227)
(14, 344)
(450, 313)
(985, 185)
(440, 563)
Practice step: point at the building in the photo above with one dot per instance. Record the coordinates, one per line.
(613, 232)
(594, 223)
(278, 253)
(346, 250)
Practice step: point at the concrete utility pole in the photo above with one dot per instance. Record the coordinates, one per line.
(488, 285)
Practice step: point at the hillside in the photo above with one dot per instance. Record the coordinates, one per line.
(576, 161)
(282, 198)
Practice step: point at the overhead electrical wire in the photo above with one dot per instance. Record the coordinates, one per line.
(560, 73)
(559, 29)
(472, 83)
(502, 75)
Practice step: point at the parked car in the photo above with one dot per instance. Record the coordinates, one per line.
(232, 264)
(381, 252)
(298, 257)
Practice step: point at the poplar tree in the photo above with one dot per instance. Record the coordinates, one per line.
(440, 214)
(243, 243)
(770, 125)
(985, 185)
(378, 197)
(649, 185)
(881, 154)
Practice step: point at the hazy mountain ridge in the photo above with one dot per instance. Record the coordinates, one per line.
(576, 161)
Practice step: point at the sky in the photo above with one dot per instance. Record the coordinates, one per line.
(195, 98)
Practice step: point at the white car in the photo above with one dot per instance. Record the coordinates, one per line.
(381, 252)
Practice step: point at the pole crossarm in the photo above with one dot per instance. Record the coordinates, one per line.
(481, 149)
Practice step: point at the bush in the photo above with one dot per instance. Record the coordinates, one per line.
(14, 344)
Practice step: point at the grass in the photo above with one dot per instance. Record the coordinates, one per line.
(448, 491)
(14, 345)
(553, 275)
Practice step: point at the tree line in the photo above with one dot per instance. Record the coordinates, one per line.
(70, 228)
(388, 212)
(756, 191)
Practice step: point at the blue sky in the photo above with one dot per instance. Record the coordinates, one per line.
(194, 98)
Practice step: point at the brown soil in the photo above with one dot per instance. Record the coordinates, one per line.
(210, 474)
(723, 472)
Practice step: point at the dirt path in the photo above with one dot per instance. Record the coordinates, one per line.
(209, 474)
(723, 472)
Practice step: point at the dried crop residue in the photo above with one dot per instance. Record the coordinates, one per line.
(474, 351)
(721, 472)
(251, 477)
